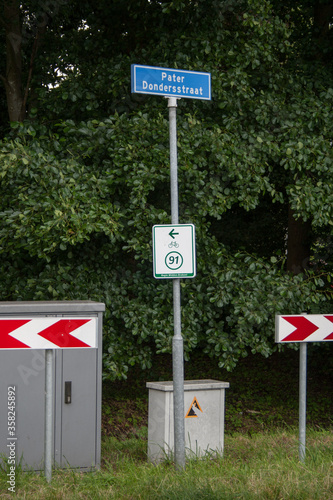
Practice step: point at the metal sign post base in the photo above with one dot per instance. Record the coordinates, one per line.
(178, 381)
(302, 400)
(48, 414)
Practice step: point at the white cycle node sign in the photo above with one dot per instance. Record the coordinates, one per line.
(174, 251)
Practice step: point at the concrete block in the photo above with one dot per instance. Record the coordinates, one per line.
(204, 403)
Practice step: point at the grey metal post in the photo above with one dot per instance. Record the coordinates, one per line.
(177, 341)
(48, 431)
(172, 105)
(302, 400)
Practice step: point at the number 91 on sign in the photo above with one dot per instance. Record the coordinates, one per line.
(174, 251)
(174, 260)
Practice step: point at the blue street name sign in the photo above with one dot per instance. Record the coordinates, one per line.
(170, 82)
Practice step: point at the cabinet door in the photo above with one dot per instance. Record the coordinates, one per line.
(79, 433)
(24, 370)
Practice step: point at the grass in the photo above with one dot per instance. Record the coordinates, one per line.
(264, 466)
(261, 458)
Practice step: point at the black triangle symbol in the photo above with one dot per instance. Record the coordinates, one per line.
(191, 412)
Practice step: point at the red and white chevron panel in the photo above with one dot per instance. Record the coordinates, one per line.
(304, 328)
(48, 333)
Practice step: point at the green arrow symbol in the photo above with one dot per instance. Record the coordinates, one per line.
(172, 234)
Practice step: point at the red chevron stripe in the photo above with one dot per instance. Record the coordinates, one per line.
(6, 327)
(330, 336)
(59, 333)
(304, 328)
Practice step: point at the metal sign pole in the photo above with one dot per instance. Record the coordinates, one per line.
(48, 431)
(174, 84)
(302, 400)
(306, 328)
(172, 105)
(177, 341)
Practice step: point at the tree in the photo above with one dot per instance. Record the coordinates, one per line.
(85, 174)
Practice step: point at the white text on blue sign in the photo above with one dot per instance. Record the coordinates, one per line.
(170, 82)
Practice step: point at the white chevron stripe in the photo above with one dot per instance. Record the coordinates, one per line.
(87, 333)
(325, 327)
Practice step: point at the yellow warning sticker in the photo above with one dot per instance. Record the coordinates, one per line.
(193, 409)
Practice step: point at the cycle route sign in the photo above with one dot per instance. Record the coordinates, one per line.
(174, 251)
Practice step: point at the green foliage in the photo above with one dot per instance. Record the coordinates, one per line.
(49, 201)
(87, 176)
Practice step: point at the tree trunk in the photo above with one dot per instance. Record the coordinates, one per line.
(299, 232)
(323, 12)
(13, 78)
(298, 247)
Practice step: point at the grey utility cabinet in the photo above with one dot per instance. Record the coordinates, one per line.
(204, 402)
(77, 392)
